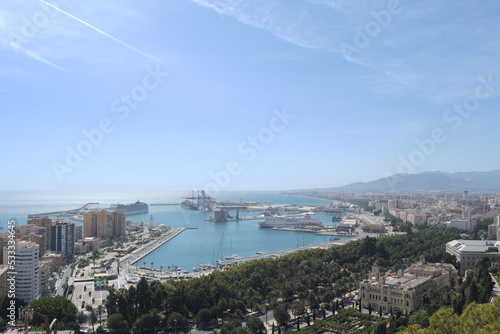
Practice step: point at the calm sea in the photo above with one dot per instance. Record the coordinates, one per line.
(204, 242)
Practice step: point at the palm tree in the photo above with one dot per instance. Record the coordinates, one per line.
(152, 263)
(100, 310)
(144, 263)
(161, 269)
(93, 319)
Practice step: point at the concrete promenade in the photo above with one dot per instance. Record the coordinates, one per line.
(286, 251)
(144, 250)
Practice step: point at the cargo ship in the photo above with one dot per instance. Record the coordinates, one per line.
(132, 209)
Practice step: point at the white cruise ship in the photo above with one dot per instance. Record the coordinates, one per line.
(132, 209)
(306, 221)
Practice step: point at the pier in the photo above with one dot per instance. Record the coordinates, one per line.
(66, 213)
(138, 254)
(261, 255)
(165, 204)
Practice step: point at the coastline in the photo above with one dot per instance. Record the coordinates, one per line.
(144, 250)
(305, 196)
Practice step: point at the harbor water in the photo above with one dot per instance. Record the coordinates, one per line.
(202, 241)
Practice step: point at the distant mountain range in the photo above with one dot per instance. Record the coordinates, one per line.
(422, 182)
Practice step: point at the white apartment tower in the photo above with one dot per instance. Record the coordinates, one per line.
(27, 269)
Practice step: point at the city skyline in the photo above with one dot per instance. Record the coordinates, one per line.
(254, 95)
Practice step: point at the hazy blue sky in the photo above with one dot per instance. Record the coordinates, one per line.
(248, 94)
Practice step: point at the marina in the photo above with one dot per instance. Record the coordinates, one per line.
(184, 249)
(140, 253)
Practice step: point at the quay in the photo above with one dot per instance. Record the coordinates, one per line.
(138, 254)
(165, 204)
(284, 252)
(234, 219)
(66, 213)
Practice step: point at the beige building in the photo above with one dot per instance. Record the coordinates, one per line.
(46, 224)
(403, 291)
(468, 252)
(104, 224)
(45, 271)
(55, 258)
(417, 219)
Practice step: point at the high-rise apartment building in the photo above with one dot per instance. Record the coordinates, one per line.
(118, 222)
(27, 270)
(104, 224)
(63, 238)
(47, 224)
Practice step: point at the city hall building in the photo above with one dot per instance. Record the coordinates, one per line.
(403, 291)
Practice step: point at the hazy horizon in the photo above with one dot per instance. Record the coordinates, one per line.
(244, 96)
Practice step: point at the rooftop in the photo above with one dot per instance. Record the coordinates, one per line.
(475, 246)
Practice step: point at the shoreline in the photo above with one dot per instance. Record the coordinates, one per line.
(322, 199)
(143, 250)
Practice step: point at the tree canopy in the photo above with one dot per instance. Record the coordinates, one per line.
(57, 307)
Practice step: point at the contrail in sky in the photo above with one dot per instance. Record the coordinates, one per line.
(102, 32)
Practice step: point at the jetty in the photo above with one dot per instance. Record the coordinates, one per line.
(262, 255)
(138, 254)
(66, 213)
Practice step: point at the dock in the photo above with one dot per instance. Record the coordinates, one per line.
(165, 204)
(66, 213)
(138, 254)
(262, 255)
(234, 219)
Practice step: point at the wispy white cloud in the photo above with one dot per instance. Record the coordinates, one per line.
(289, 22)
(351, 9)
(35, 56)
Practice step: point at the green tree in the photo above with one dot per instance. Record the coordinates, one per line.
(380, 328)
(57, 307)
(421, 317)
(203, 318)
(255, 325)
(473, 293)
(81, 317)
(117, 324)
(281, 314)
(93, 319)
(146, 323)
(177, 321)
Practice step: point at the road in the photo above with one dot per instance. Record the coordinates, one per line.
(66, 273)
